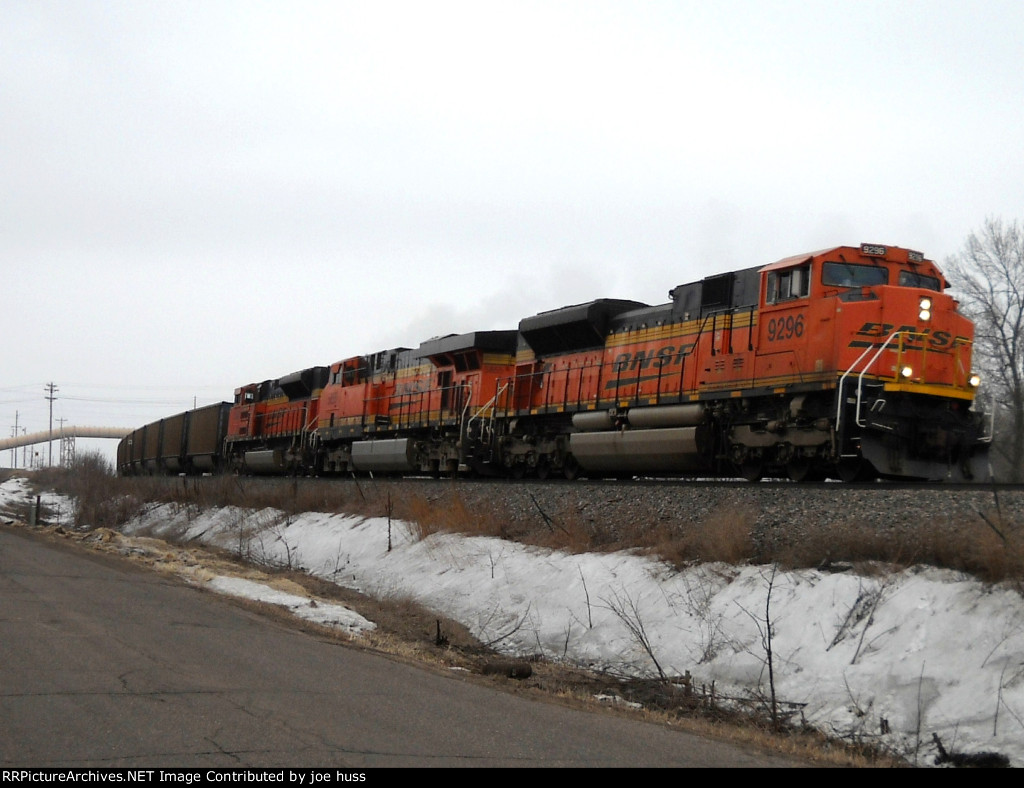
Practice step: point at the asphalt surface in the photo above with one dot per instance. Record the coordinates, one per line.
(107, 664)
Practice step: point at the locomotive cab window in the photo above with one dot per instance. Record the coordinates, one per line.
(853, 275)
(789, 284)
(914, 279)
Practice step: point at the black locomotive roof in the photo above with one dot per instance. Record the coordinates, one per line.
(304, 382)
(487, 341)
(574, 327)
(733, 290)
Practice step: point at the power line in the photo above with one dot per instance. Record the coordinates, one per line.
(128, 401)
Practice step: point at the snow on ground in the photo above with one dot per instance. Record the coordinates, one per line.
(336, 616)
(889, 658)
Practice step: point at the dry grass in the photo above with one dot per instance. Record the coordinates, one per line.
(992, 549)
(447, 512)
(990, 546)
(570, 530)
(727, 537)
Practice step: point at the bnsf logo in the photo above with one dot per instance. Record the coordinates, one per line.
(877, 333)
(668, 356)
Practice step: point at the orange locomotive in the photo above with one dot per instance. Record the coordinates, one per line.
(269, 423)
(409, 411)
(849, 362)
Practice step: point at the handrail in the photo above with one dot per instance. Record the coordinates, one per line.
(860, 378)
(987, 438)
(842, 380)
(483, 407)
(840, 401)
(468, 388)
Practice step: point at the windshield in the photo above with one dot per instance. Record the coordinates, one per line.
(851, 275)
(912, 279)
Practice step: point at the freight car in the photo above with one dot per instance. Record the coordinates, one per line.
(850, 362)
(190, 442)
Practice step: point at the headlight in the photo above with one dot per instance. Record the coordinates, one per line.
(925, 305)
(906, 372)
(974, 380)
(924, 314)
(925, 302)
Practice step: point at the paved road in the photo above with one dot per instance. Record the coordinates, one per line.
(104, 663)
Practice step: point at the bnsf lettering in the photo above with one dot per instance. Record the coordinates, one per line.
(668, 356)
(913, 337)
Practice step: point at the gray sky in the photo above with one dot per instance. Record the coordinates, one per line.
(199, 195)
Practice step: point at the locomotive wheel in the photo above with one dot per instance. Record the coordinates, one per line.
(543, 469)
(571, 468)
(855, 469)
(847, 470)
(804, 470)
(752, 470)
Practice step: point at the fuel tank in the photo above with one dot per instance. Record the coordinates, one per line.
(671, 450)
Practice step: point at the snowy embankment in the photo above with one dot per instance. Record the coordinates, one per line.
(892, 659)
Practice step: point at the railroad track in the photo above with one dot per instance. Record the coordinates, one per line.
(621, 505)
(881, 486)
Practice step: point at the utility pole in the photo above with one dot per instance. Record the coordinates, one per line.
(52, 389)
(14, 434)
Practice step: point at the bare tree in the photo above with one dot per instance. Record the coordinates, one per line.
(766, 629)
(628, 611)
(988, 278)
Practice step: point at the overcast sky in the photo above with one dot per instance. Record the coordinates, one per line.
(199, 195)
